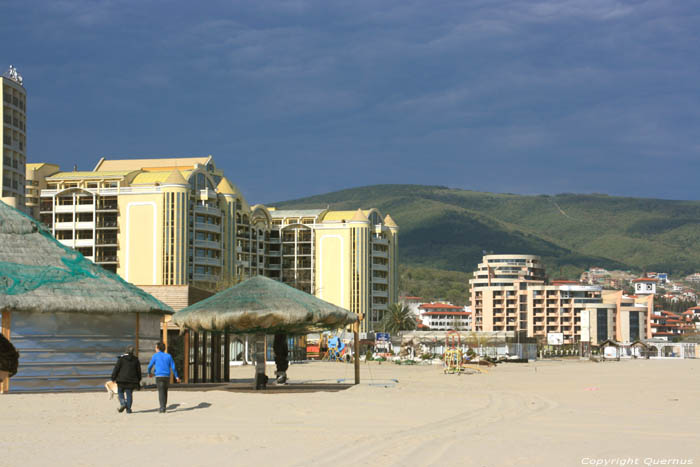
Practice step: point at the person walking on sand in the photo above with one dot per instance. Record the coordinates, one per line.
(9, 359)
(127, 375)
(163, 363)
(281, 349)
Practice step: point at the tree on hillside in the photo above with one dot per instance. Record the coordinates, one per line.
(397, 318)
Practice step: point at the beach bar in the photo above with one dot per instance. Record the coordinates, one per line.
(68, 318)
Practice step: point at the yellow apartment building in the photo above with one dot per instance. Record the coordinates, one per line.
(180, 222)
(174, 221)
(14, 138)
(349, 258)
(36, 175)
(512, 293)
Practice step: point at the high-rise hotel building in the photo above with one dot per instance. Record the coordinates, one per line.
(512, 293)
(156, 221)
(14, 138)
(180, 222)
(345, 257)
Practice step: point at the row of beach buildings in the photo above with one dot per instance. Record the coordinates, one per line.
(511, 293)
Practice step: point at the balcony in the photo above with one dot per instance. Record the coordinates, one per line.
(380, 293)
(207, 261)
(208, 244)
(63, 226)
(205, 278)
(380, 267)
(207, 210)
(207, 227)
(380, 280)
(84, 208)
(84, 225)
(380, 254)
(380, 241)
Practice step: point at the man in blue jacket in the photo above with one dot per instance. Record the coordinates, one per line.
(164, 363)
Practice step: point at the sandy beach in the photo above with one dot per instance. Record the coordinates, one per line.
(544, 413)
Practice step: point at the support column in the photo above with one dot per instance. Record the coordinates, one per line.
(186, 358)
(5, 327)
(136, 333)
(356, 337)
(260, 348)
(227, 357)
(195, 376)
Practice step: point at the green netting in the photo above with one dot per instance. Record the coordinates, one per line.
(21, 278)
(39, 273)
(262, 305)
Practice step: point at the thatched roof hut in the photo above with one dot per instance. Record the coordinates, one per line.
(263, 305)
(68, 317)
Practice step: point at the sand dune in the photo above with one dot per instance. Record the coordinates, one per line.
(544, 413)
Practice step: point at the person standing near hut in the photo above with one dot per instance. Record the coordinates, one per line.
(127, 375)
(9, 359)
(164, 364)
(281, 349)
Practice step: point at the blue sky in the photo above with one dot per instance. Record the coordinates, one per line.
(294, 98)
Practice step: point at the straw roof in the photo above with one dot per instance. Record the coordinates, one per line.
(37, 273)
(263, 305)
(9, 357)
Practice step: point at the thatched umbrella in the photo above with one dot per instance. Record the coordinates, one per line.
(43, 285)
(263, 306)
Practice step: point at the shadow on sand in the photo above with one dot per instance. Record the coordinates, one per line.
(176, 408)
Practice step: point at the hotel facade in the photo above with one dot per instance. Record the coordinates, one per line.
(161, 223)
(13, 133)
(512, 293)
(348, 258)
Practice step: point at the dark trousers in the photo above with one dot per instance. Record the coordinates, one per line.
(162, 382)
(126, 396)
(281, 349)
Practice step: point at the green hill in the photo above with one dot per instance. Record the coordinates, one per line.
(449, 229)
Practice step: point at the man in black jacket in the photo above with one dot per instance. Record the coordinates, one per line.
(127, 375)
(9, 359)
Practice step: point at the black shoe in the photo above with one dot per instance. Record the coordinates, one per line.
(121, 408)
(161, 410)
(128, 410)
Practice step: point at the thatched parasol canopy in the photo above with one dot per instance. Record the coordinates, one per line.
(262, 305)
(37, 273)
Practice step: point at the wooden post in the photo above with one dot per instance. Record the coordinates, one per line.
(195, 376)
(205, 342)
(136, 334)
(227, 357)
(186, 359)
(356, 343)
(5, 327)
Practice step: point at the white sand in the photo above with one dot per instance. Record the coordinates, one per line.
(544, 413)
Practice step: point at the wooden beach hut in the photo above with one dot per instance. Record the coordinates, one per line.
(258, 306)
(68, 318)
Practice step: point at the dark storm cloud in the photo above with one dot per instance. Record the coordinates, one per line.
(296, 98)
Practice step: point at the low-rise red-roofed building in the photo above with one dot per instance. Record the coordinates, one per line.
(445, 316)
(667, 325)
